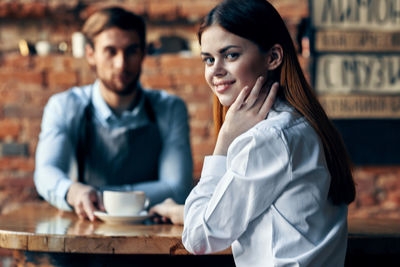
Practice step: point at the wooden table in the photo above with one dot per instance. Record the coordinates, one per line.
(41, 227)
(41, 233)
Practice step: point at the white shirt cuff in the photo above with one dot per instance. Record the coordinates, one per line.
(62, 189)
(214, 166)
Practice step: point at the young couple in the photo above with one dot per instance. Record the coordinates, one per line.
(277, 186)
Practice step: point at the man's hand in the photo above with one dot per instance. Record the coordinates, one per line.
(85, 200)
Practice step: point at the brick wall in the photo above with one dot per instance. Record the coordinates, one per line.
(28, 82)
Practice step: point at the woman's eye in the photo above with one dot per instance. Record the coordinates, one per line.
(232, 56)
(208, 60)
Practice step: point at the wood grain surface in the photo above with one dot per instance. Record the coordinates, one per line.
(40, 227)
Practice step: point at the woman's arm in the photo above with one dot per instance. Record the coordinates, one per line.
(234, 190)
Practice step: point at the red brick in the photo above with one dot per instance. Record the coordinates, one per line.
(298, 9)
(9, 129)
(388, 182)
(86, 76)
(364, 174)
(17, 163)
(12, 92)
(156, 81)
(151, 65)
(365, 185)
(33, 9)
(59, 63)
(10, 9)
(16, 62)
(71, 64)
(394, 197)
(3, 9)
(31, 128)
(44, 62)
(389, 205)
(159, 9)
(39, 99)
(179, 64)
(22, 77)
(366, 200)
(201, 132)
(19, 110)
(195, 79)
(202, 112)
(199, 94)
(5, 252)
(62, 79)
(203, 148)
(136, 6)
(8, 95)
(194, 10)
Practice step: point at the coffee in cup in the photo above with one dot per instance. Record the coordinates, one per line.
(124, 203)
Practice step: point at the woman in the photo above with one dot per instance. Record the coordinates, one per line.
(277, 187)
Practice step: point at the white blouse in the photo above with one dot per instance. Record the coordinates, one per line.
(268, 199)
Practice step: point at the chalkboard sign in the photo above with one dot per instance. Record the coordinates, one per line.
(356, 74)
(359, 41)
(361, 106)
(379, 15)
(356, 57)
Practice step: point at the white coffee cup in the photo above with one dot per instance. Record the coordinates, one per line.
(125, 203)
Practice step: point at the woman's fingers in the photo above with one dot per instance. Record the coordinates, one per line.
(269, 101)
(254, 93)
(237, 104)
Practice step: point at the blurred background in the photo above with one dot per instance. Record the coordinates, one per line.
(349, 51)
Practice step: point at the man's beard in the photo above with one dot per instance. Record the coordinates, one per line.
(126, 90)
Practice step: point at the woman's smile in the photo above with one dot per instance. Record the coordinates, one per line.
(222, 86)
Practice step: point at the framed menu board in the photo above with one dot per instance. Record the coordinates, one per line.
(356, 73)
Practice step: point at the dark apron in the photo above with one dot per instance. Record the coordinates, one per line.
(107, 157)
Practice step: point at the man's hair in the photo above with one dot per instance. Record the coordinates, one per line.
(114, 17)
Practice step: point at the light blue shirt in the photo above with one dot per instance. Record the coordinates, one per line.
(56, 165)
(268, 199)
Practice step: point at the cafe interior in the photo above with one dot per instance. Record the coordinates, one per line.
(349, 51)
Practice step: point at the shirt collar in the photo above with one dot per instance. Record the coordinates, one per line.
(105, 113)
(279, 106)
(100, 106)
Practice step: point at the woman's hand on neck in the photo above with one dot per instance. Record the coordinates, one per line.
(249, 108)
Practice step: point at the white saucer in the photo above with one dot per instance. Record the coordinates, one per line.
(143, 215)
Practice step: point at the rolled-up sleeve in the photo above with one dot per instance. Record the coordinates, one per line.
(236, 189)
(53, 156)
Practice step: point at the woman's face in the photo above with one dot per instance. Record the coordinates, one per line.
(231, 63)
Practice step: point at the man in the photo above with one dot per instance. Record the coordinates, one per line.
(113, 134)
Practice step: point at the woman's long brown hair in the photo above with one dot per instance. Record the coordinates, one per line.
(259, 22)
